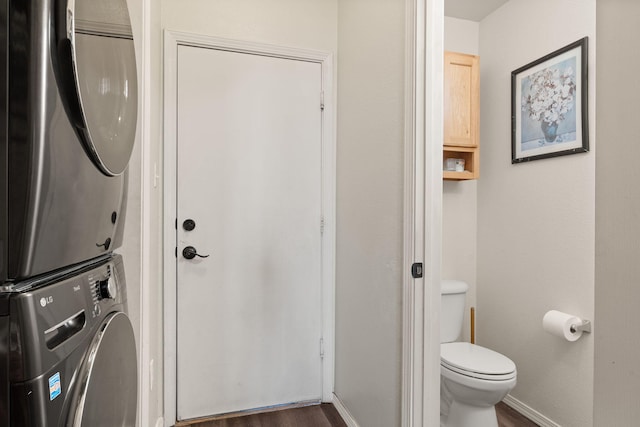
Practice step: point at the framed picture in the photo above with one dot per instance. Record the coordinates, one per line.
(549, 111)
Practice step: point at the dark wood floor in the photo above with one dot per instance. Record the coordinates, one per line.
(325, 415)
(509, 417)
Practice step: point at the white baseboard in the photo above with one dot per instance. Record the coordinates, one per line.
(529, 412)
(160, 422)
(344, 413)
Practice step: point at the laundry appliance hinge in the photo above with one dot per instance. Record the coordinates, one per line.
(322, 101)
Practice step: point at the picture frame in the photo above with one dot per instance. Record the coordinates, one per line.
(549, 105)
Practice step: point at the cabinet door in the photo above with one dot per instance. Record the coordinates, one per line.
(461, 100)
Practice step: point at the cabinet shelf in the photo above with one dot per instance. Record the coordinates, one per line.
(461, 114)
(457, 176)
(471, 159)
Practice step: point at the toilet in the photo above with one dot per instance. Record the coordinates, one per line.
(472, 378)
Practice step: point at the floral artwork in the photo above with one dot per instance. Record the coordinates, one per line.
(549, 117)
(548, 97)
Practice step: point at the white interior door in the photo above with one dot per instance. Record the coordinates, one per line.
(249, 315)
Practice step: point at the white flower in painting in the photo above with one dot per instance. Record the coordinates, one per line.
(550, 95)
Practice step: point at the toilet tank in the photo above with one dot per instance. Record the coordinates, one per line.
(453, 294)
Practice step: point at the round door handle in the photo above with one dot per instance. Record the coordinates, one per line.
(190, 253)
(188, 225)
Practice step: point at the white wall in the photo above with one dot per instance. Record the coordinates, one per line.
(459, 198)
(370, 209)
(461, 35)
(617, 352)
(310, 24)
(535, 220)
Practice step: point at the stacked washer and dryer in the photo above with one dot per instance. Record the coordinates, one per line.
(68, 103)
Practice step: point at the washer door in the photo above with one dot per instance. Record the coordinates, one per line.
(107, 387)
(99, 53)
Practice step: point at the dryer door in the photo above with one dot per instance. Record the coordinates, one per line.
(104, 95)
(106, 391)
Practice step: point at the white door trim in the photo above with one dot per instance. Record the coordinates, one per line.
(146, 213)
(173, 39)
(433, 96)
(423, 212)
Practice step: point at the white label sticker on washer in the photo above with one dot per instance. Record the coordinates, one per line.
(55, 387)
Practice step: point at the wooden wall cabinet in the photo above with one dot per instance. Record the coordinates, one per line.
(462, 113)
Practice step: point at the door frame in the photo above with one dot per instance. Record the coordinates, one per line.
(420, 401)
(172, 40)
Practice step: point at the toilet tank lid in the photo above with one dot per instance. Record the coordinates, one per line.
(449, 286)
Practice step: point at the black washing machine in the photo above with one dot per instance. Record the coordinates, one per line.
(67, 350)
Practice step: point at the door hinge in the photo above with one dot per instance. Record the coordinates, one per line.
(321, 225)
(176, 223)
(321, 347)
(417, 270)
(176, 252)
(322, 101)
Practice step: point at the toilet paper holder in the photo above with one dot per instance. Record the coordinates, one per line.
(584, 326)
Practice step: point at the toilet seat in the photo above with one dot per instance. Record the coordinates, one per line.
(477, 362)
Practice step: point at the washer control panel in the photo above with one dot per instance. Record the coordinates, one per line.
(107, 288)
(52, 318)
(104, 289)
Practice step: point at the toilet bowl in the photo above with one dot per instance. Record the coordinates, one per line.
(472, 378)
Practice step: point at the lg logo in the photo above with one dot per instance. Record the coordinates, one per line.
(46, 300)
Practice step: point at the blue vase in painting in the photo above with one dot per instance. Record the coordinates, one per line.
(550, 130)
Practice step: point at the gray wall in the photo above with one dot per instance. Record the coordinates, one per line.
(536, 221)
(617, 347)
(370, 159)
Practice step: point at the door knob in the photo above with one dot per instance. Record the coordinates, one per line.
(189, 224)
(190, 253)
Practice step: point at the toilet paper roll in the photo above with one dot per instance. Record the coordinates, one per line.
(559, 324)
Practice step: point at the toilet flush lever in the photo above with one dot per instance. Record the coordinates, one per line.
(585, 326)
